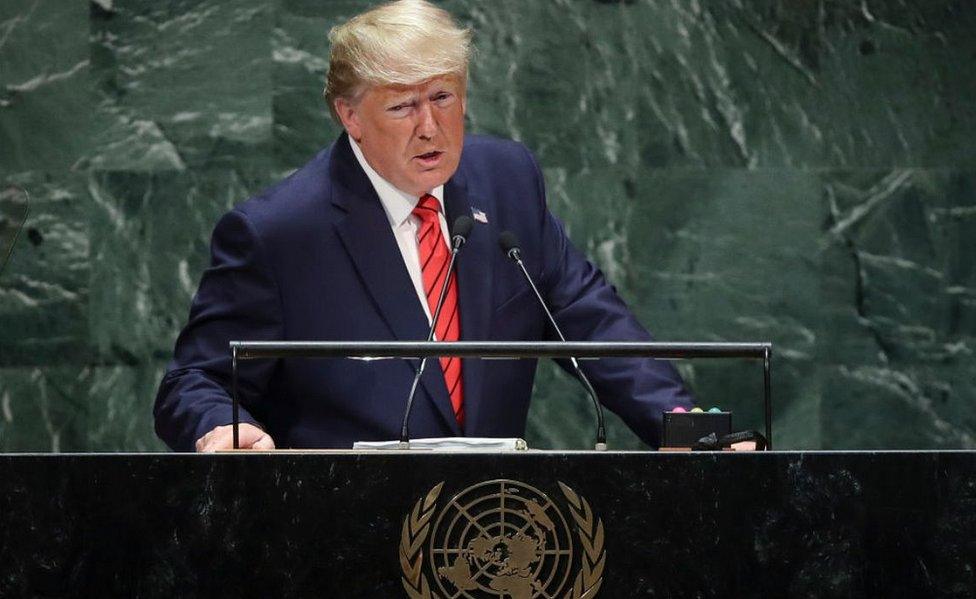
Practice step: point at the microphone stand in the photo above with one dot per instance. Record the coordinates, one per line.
(601, 432)
(462, 229)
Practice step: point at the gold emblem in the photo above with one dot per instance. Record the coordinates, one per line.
(502, 538)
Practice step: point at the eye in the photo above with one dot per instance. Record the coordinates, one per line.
(443, 98)
(400, 108)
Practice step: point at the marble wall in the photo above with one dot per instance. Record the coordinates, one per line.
(799, 172)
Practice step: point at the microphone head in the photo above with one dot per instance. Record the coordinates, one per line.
(509, 243)
(462, 228)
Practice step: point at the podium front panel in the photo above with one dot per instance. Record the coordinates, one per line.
(524, 524)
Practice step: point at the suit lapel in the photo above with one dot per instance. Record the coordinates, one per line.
(474, 265)
(366, 234)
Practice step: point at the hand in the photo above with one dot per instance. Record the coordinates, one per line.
(744, 446)
(222, 438)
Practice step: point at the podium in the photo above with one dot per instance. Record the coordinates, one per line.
(519, 524)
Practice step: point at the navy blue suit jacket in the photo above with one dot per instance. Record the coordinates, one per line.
(314, 258)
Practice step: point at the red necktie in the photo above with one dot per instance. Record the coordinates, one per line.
(434, 258)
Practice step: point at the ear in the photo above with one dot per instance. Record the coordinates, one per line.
(349, 115)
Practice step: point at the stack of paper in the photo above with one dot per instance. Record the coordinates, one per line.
(449, 444)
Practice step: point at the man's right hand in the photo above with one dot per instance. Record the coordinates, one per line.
(222, 438)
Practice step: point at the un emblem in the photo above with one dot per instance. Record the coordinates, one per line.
(502, 538)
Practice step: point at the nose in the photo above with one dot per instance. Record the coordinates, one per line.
(426, 121)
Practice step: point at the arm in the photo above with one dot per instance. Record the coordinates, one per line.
(237, 300)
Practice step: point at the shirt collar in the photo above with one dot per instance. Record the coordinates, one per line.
(398, 204)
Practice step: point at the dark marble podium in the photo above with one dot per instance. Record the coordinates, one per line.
(880, 524)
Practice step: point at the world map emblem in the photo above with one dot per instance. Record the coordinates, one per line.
(504, 539)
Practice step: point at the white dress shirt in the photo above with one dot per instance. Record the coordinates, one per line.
(399, 207)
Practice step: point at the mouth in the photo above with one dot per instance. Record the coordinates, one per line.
(429, 159)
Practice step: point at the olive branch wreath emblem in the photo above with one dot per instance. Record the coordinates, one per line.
(416, 528)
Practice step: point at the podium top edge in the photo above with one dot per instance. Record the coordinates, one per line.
(499, 349)
(531, 453)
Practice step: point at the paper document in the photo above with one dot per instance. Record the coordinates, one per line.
(450, 444)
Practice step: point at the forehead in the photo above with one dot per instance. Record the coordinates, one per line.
(449, 82)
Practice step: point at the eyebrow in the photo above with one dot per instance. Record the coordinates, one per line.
(396, 98)
(402, 98)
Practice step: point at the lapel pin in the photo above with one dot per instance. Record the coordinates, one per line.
(479, 216)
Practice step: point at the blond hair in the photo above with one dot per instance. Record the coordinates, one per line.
(405, 42)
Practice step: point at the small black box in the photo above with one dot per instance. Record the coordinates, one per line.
(684, 429)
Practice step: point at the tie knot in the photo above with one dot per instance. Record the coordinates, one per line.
(427, 208)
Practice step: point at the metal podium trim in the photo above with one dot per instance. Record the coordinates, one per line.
(667, 350)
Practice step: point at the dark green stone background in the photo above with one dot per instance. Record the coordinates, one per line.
(800, 172)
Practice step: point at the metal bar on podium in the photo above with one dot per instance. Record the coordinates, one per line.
(666, 350)
(767, 400)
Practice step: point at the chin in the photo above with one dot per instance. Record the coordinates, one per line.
(431, 180)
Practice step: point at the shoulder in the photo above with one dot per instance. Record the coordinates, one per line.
(304, 189)
(486, 150)
(489, 163)
(285, 215)
(290, 207)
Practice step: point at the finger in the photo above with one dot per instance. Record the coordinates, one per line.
(265, 443)
(222, 439)
(218, 439)
(249, 435)
(205, 443)
(208, 447)
(216, 443)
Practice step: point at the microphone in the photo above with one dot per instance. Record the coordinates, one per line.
(509, 244)
(460, 231)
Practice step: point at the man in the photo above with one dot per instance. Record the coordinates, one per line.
(353, 247)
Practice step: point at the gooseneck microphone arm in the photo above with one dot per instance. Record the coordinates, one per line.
(509, 244)
(461, 230)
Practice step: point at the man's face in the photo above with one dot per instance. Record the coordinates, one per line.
(411, 135)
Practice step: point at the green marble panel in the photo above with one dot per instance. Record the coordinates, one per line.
(302, 123)
(711, 255)
(44, 289)
(67, 408)
(859, 278)
(45, 95)
(41, 409)
(118, 406)
(850, 83)
(900, 287)
(150, 243)
(799, 172)
(186, 83)
(750, 84)
(14, 207)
